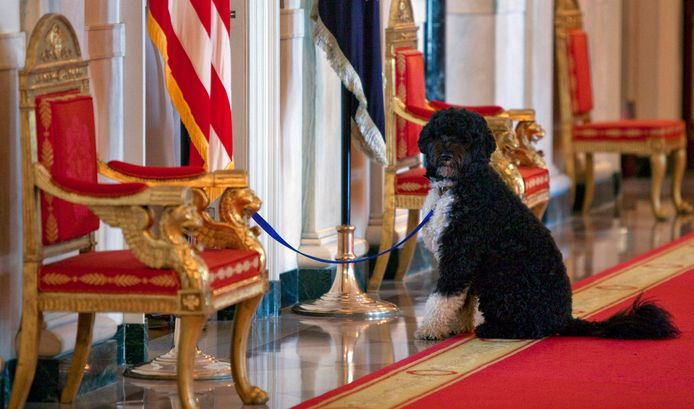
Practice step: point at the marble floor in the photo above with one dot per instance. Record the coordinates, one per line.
(295, 358)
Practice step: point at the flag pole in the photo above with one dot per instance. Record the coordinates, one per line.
(345, 298)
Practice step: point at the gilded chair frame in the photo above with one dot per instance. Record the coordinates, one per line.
(513, 146)
(54, 64)
(568, 16)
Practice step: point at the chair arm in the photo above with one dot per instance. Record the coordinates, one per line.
(157, 176)
(97, 194)
(401, 110)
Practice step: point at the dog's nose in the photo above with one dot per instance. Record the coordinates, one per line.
(446, 157)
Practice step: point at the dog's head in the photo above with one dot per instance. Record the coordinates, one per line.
(455, 140)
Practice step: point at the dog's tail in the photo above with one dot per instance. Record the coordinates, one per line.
(642, 320)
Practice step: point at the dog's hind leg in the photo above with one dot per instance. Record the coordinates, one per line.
(442, 316)
(468, 313)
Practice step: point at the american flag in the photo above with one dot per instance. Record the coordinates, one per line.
(193, 38)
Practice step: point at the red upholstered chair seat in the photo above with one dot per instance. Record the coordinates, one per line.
(535, 179)
(627, 130)
(119, 272)
(412, 182)
(157, 172)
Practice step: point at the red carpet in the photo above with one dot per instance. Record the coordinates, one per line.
(557, 372)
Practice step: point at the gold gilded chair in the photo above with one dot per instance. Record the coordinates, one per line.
(162, 272)
(654, 138)
(407, 110)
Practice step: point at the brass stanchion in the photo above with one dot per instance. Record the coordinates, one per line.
(345, 298)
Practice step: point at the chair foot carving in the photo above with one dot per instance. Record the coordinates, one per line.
(250, 394)
(83, 345)
(679, 157)
(191, 328)
(589, 181)
(658, 162)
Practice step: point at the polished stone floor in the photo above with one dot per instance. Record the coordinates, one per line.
(295, 358)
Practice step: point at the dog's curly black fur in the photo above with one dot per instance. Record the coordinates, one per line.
(494, 248)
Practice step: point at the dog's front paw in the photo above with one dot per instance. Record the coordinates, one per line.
(433, 332)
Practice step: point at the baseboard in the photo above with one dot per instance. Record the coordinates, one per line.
(306, 284)
(135, 343)
(606, 192)
(5, 383)
(105, 365)
(269, 305)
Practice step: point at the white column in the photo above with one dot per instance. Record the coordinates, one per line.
(264, 156)
(471, 51)
(134, 16)
(321, 197)
(653, 59)
(501, 52)
(291, 130)
(322, 159)
(602, 20)
(539, 75)
(12, 55)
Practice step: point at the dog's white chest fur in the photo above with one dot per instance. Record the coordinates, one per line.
(441, 204)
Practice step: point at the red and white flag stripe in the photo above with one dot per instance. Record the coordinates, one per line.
(193, 38)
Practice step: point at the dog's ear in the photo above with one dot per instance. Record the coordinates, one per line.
(484, 140)
(425, 137)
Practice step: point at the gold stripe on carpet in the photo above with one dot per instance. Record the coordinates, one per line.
(467, 356)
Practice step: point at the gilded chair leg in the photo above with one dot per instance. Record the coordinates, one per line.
(680, 164)
(410, 246)
(589, 182)
(32, 321)
(245, 311)
(571, 173)
(191, 328)
(386, 241)
(658, 162)
(83, 346)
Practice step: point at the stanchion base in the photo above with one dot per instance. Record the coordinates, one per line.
(163, 367)
(347, 305)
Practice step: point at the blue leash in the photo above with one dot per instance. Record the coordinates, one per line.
(266, 226)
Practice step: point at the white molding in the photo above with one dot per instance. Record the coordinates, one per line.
(12, 51)
(485, 6)
(292, 23)
(105, 41)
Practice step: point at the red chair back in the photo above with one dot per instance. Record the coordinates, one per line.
(409, 87)
(579, 71)
(66, 146)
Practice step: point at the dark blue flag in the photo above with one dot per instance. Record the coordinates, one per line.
(349, 31)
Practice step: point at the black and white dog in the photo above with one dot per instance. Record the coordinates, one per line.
(491, 248)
